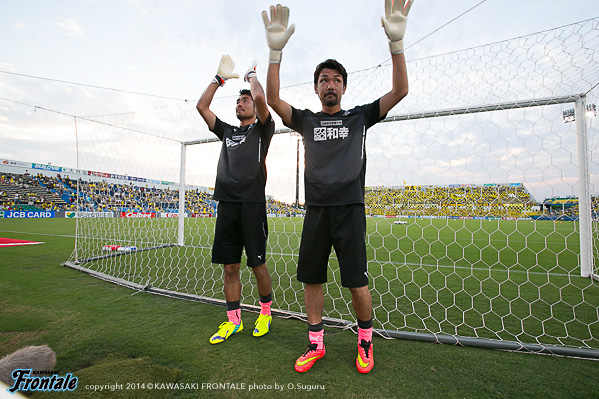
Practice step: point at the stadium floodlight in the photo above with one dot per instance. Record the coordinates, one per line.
(569, 115)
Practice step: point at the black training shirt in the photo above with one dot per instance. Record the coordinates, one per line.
(335, 156)
(241, 172)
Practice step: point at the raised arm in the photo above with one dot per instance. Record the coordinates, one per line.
(277, 35)
(225, 71)
(257, 94)
(272, 94)
(394, 23)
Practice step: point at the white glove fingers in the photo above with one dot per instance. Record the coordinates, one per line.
(277, 32)
(284, 16)
(265, 19)
(277, 17)
(388, 7)
(226, 62)
(398, 5)
(272, 15)
(406, 10)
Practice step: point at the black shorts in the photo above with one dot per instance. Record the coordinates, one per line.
(239, 225)
(342, 227)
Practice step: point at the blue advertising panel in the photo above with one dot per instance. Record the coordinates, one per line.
(29, 214)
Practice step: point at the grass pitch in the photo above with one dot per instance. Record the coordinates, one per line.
(498, 279)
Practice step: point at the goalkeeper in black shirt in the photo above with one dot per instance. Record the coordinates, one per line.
(335, 167)
(240, 181)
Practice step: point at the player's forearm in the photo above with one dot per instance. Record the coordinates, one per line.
(399, 87)
(272, 93)
(257, 91)
(273, 84)
(400, 77)
(259, 99)
(203, 105)
(206, 98)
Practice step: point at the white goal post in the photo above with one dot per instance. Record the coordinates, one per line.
(482, 199)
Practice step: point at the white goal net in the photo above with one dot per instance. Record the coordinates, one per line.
(482, 196)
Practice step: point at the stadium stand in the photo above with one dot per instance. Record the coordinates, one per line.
(511, 200)
(490, 200)
(27, 192)
(40, 192)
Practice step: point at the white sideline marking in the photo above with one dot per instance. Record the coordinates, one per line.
(17, 244)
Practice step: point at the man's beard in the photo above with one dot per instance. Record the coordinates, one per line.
(330, 99)
(243, 117)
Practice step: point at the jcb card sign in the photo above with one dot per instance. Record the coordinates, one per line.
(28, 214)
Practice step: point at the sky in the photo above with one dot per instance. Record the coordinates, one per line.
(169, 51)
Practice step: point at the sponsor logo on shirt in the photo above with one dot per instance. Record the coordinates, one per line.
(236, 140)
(330, 133)
(331, 123)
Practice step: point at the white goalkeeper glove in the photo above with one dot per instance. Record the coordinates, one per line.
(251, 73)
(395, 22)
(277, 33)
(225, 71)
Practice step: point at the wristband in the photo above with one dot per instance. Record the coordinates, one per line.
(250, 74)
(275, 56)
(219, 80)
(396, 47)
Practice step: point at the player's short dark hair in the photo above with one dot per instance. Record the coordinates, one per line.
(330, 64)
(247, 92)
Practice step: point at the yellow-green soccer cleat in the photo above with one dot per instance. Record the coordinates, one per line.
(262, 325)
(225, 330)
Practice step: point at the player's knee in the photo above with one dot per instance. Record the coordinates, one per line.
(232, 269)
(360, 291)
(260, 270)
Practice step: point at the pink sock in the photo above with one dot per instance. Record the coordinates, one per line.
(265, 308)
(317, 337)
(234, 316)
(365, 334)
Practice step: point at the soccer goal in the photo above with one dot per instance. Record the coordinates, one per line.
(482, 197)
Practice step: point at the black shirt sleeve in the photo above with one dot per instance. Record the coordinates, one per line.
(371, 113)
(297, 120)
(219, 128)
(268, 128)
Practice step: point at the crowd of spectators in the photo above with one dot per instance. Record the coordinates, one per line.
(40, 192)
(22, 192)
(274, 207)
(451, 201)
(29, 192)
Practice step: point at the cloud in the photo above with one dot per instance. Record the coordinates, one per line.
(69, 26)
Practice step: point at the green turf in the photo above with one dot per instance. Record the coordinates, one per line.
(86, 321)
(499, 279)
